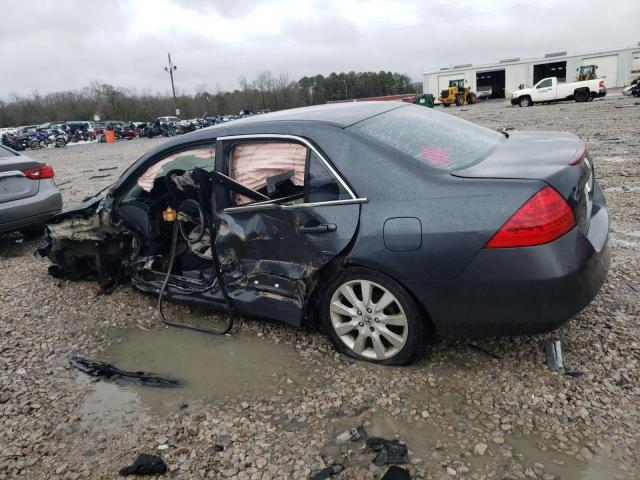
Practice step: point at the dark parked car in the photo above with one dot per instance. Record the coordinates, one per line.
(385, 222)
(28, 193)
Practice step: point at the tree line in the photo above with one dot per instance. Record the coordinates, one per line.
(265, 92)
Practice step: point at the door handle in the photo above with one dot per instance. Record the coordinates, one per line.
(322, 228)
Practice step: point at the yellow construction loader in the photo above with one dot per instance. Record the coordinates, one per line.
(587, 72)
(457, 93)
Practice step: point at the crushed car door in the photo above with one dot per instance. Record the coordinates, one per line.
(270, 249)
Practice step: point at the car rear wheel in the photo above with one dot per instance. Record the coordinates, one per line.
(371, 317)
(581, 96)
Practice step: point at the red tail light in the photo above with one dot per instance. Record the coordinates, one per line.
(39, 173)
(543, 218)
(601, 84)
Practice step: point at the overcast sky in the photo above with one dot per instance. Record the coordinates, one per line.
(58, 45)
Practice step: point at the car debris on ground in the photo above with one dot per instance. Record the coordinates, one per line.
(101, 369)
(326, 472)
(396, 473)
(553, 352)
(388, 451)
(145, 464)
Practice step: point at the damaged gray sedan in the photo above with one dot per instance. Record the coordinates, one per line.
(384, 222)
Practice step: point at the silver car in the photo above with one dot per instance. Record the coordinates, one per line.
(28, 193)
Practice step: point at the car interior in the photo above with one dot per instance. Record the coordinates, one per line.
(179, 187)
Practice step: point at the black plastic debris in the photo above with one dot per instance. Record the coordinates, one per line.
(326, 472)
(396, 473)
(145, 464)
(109, 372)
(553, 352)
(389, 451)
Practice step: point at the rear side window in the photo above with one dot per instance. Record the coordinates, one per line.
(432, 139)
(323, 186)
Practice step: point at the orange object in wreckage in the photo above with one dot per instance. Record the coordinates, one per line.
(169, 215)
(110, 136)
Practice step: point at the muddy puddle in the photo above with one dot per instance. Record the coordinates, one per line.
(212, 369)
(563, 466)
(430, 443)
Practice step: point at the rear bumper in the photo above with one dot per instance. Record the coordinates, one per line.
(601, 93)
(33, 210)
(513, 291)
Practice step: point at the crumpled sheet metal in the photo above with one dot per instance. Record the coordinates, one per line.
(94, 228)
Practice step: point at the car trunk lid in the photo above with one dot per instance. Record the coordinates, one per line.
(14, 184)
(548, 156)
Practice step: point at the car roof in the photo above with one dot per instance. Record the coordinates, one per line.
(340, 114)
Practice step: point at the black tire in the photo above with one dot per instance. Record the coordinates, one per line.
(446, 104)
(459, 100)
(525, 102)
(581, 96)
(472, 98)
(60, 142)
(419, 330)
(34, 145)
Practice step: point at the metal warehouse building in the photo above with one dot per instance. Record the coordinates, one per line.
(618, 67)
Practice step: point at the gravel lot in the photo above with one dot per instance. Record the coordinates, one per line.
(490, 409)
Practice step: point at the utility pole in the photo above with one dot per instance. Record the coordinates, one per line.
(170, 68)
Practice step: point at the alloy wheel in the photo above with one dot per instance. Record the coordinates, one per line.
(368, 319)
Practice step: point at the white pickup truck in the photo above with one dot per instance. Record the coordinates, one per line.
(549, 90)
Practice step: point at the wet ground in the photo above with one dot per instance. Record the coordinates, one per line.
(211, 369)
(270, 401)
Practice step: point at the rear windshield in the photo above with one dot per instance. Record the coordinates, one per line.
(433, 139)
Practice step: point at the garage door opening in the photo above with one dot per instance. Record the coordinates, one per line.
(544, 70)
(490, 84)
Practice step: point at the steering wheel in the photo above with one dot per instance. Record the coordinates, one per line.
(174, 192)
(190, 213)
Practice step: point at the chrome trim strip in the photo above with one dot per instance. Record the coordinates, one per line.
(259, 205)
(348, 201)
(12, 173)
(299, 139)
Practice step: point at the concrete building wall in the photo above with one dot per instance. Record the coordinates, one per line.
(514, 75)
(607, 67)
